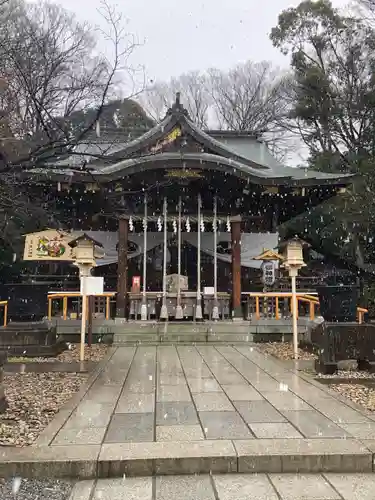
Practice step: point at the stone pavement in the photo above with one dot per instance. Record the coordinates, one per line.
(231, 487)
(198, 409)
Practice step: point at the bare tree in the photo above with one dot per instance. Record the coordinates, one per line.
(248, 97)
(192, 86)
(367, 8)
(50, 68)
(54, 84)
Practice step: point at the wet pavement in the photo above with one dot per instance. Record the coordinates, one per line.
(187, 393)
(233, 486)
(168, 410)
(50, 366)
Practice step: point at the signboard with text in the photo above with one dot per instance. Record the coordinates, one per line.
(268, 268)
(50, 244)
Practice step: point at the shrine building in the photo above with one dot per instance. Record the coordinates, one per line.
(181, 214)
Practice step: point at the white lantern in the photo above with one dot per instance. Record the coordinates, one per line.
(293, 253)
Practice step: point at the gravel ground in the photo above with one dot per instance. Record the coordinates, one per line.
(284, 350)
(33, 489)
(360, 394)
(34, 399)
(348, 374)
(94, 353)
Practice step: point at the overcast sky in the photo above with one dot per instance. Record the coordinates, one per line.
(179, 36)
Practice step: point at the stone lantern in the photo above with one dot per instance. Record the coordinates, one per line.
(292, 251)
(85, 251)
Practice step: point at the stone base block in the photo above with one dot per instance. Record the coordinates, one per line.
(326, 368)
(368, 366)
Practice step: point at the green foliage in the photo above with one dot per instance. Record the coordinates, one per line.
(333, 111)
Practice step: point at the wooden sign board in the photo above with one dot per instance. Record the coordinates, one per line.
(49, 245)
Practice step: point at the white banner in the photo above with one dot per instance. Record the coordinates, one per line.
(252, 244)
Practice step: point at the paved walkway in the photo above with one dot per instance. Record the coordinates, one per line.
(231, 487)
(184, 393)
(198, 409)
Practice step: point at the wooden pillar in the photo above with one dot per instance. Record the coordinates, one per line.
(236, 266)
(90, 314)
(275, 217)
(122, 269)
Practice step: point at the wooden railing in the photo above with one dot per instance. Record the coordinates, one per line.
(361, 312)
(4, 303)
(279, 305)
(275, 305)
(101, 302)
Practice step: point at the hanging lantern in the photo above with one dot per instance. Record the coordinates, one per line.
(202, 225)
(144, 223)
(187, 223)
(131, 225)
(174, 226)
(159, 224)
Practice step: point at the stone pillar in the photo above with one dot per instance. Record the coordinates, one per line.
(122, 269)
(236, 266)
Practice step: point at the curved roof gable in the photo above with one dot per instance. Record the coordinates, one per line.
(242, 154)
(177, 115)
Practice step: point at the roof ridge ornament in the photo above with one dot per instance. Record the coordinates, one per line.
(177, 108)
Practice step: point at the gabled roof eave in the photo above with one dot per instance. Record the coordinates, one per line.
(207, 161)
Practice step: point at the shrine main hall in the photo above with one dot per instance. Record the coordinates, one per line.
(181, 213)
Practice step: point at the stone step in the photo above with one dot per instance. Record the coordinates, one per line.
(225, 331)
(25, 327)
(120, 339)
(193, 457)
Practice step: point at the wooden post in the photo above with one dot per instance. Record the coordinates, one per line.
(90, 312)
(236, 267)
(107, 306)
(312, 310)
(83, 328)
(65, 307)
(122, 269)
(257, 310)
(277, 316)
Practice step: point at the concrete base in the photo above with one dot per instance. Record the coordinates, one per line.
(176, 457)
(122, 332)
